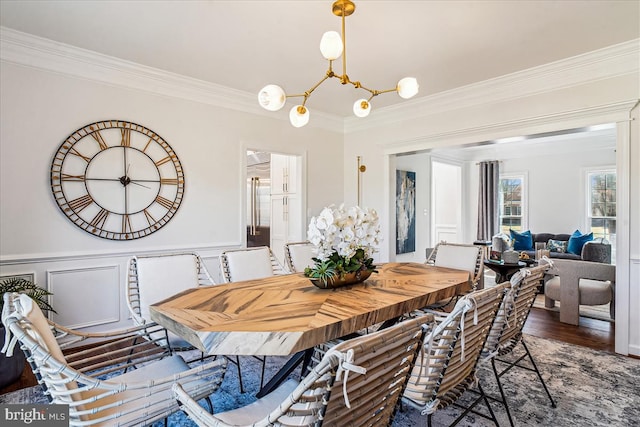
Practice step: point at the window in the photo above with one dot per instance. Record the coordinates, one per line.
(601, 204)
(512, 203)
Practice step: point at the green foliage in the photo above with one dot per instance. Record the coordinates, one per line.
(323, 270)
(38, 294)
(339, 266)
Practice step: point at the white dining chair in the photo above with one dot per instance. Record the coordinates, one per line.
(259, 262)
(460, 256)
(153, 278)
(298, 255)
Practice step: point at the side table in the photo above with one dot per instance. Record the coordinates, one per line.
(504, 270)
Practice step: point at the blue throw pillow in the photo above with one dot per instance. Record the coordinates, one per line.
(577, 241)
(522, 241)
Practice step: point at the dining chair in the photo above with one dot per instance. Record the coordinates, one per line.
(120, 379)
(153, 278)
(247, 264)
(447, 365)
(258, 262)
(298, 255)
(462, 257)
(357, 382)
(506, 331)
(459, 256)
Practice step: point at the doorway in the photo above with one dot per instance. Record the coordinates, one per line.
(274, 200)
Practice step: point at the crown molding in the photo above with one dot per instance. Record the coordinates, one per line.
(28, 50)
(36, 52)
(613, 61)
(610, 113)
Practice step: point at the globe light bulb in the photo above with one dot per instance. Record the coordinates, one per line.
(407, 87)
(361, 108)
(331, 45)
(299, 116)
(272, 97)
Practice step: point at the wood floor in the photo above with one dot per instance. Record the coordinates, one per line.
(595, 334)
(592, 333)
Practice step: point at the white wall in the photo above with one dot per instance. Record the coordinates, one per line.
(41, 108)
(581, 93)
(556, 193)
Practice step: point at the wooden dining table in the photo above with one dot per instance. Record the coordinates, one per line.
(281, 315)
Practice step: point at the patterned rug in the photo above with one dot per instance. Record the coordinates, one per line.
(590, 388)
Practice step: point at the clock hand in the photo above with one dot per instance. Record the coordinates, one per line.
(136, 183)
(145, 180)
(124, 165)
(125, 180)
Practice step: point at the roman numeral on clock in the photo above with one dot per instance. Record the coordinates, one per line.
(80, 203)
(100, 140)
(165, 203)
(99, 220)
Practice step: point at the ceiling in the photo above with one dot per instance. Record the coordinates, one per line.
(245, 45)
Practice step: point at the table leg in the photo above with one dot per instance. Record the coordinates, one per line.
(300, 357)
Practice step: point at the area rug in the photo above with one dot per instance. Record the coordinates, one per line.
(591, 388)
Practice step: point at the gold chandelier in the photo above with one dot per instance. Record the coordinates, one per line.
(332, 45)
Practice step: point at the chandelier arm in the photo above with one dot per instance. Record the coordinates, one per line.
(344, 48)
(378, 92)
(314, 87)
(273, 97)
(373, 92)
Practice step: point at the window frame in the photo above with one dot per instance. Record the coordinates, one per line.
(524, 211)
(588, 217)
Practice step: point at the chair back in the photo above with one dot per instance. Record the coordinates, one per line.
(521, 293)
(249, 263)
(298, 256)
(153, 278)
(461, 257)
(446, 366)
(357, 382)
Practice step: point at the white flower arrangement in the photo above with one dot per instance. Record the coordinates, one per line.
(345, 240)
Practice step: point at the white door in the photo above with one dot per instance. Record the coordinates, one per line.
(446, 202)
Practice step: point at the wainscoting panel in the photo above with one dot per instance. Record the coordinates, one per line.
(90, 296)
(446, 232)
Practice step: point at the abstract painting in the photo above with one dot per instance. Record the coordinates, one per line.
(405, 212)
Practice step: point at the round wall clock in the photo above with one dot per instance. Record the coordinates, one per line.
(117, 180)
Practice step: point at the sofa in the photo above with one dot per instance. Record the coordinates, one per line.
(598, 250)
(594, 250)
